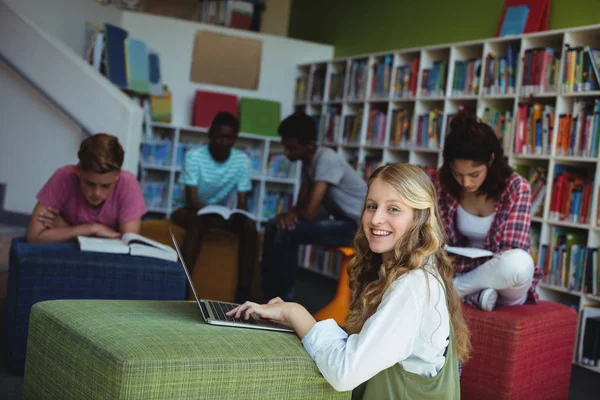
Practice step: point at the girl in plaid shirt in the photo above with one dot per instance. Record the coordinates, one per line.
(484, 204)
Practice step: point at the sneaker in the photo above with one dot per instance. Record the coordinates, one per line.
(484, 300)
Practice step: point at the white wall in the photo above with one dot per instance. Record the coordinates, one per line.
(65, 19)
(35, 139)
(174, 40)
(62, 74)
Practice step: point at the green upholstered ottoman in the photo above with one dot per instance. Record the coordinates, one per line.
(119, 349)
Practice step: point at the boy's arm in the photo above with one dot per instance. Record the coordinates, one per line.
(131, 227)
(38, 233)
(191, 198)
(308, 210)
(242, 201)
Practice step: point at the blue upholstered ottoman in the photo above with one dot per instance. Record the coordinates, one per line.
(40, 272)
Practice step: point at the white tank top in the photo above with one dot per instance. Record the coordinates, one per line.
(473, 227)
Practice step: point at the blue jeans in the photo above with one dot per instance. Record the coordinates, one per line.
(279, 264)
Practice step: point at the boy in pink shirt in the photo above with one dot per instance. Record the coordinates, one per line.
(93, 198)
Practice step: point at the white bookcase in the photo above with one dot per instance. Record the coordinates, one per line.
(167, 172)
(448, 101)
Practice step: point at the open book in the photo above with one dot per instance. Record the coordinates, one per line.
(224, 212)
(130, 243)
(471, 252)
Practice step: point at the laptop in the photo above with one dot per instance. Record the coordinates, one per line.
(213, 312)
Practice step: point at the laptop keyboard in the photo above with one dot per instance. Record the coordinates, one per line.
(219, 310)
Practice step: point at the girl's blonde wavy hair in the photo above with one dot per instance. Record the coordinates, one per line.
(424, 239)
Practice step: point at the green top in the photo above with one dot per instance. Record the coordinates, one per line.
(397, 383)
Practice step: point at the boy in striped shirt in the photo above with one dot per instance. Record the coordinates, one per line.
(211, 174)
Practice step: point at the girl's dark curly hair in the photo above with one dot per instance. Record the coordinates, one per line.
(471, 139)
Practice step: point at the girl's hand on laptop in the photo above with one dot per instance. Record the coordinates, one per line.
(292, 315)
(274, 310)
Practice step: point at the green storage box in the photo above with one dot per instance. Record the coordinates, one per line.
(113, 349)
(260, 117)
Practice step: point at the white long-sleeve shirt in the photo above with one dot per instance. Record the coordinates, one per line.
(411, 326)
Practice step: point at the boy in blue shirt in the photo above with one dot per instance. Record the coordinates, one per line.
(211, 173)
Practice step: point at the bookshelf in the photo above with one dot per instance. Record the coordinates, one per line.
(396, 106)
(275, 181)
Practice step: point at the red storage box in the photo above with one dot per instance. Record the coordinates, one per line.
(522, 352)
(208, 104)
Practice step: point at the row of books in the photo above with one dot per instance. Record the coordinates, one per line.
(578, 133)
(540, 71)
(535, 127)
(537, 177)
(500, 75)
(276, 203)
(156, 151)
(328, 126)
(352, 126)
(376, 127)
(370, 165)
(466, 77)
(501, 122)
(318, 86)
(401, 124)
(357, 81)
(433, 80)
(571, 195)
(580, 72)
(301, 88)
(155, 193)
(382, 76)
(429, 129)
(325, 261)
(406, 80)
(336, 85)
(568, 263)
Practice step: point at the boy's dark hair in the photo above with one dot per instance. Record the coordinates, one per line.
(225, 118)
(471, 139)
(100, 153)
(298, 126)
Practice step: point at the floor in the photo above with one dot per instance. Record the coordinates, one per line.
(314, 291)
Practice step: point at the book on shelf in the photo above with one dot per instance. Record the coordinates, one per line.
(336, 85)
(406, 79)
(535, 127)
(429, 129)
(588, 348)
(352, 127)
(376, 127)
(501, 122)
(130, 243)
(224, 212)
(466, 77)
(470, 252)
(578, 132)
(401, 124)
(324, 261)
(301, 88)
(318, 85)
(571, 195)
(501, 72)
(433, 80)
(381, 78)
(580, 69)
(541, 68)
(358, 79)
